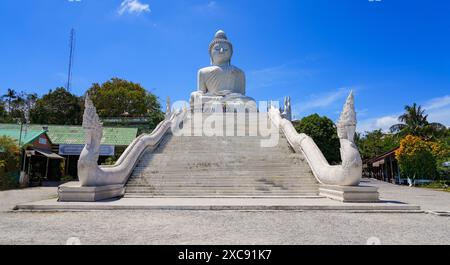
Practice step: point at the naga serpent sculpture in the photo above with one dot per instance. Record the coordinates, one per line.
(90, 174)
(349, 173)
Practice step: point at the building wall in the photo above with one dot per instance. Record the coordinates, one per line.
(42, 142)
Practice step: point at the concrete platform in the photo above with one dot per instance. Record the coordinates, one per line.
(221, 204)
(350, 194)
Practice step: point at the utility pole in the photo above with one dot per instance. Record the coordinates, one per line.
(71, 57)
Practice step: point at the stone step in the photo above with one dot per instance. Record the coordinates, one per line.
(147, 195)
(223, 179)
(222, 166)
(207, 174)
(226, 188)
(219, 179)
(223, 184)
(230, 190)
(257, 158)
(216, 194)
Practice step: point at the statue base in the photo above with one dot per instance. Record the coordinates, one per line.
(73, 192)
(230, 103)
(350, 193)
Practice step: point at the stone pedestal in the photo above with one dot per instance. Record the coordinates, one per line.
(73, 192)
(350, 193)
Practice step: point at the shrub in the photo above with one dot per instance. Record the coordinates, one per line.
(324, 133)
(419, 158)
(67, 178)
(9, 162)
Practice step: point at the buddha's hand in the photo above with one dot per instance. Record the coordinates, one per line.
(224, 92)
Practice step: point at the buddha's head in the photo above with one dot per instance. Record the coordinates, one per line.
(220, 49)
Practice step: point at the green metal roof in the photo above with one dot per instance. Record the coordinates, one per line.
(75, 134)
(27, 137)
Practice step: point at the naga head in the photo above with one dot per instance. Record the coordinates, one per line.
(92, 125)
(346, 126)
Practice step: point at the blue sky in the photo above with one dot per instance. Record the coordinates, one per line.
(391, 53)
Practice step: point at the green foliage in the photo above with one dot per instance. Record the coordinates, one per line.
(111, 160)
(3, 113)
(415, 122)
(417, 158)
(324, 133)
(17, 105)
(443, 156)
(9, 162)
(442, 185)
(119, 98)
(10, 95)
(376, 143)
(67, 178)
(58, 107)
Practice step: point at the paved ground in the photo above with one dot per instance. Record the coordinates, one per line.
(227, 227)
(427, 199)
(234, 203)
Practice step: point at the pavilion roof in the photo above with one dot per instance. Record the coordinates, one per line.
(61, 134)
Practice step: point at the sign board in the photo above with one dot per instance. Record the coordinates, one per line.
(42, 140)
(75, 150)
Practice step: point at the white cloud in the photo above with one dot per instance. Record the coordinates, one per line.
(383, 123)
(325, 100)
(208, 7)
(438, 110)
(212, 4)
(438, 103)
(276, 76)
(322, 100)
(133, 7)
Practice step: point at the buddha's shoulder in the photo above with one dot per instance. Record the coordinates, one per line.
(209, 69)
(214, 68)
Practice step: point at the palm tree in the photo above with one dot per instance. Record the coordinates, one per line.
(10, 95)
(414, 121)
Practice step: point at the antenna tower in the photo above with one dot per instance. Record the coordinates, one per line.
(71, 57)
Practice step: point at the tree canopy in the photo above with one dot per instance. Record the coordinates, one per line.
(3, 113)
(9, 161)
(324, 133)
(376, 143)
(121, 98)
(59, 106)
(415, 122)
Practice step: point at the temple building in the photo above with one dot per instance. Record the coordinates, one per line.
(62, 144)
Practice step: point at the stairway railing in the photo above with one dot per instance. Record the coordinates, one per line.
(92, 175)
(349, 173)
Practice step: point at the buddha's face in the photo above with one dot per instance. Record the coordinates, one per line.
(221, 53)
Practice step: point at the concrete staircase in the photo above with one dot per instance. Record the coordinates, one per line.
(200, 166)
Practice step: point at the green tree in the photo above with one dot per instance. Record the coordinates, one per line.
(118, 98)
(18, 106)
(57, 107)
(9, 162)
(3, 113)
(324, 133)
(418, 158)
(376, 143)
(414, 122)
(10, 95)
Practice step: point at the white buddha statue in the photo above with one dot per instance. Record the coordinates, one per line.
(221, 82)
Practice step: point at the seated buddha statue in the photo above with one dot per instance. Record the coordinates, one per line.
(221, 82)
